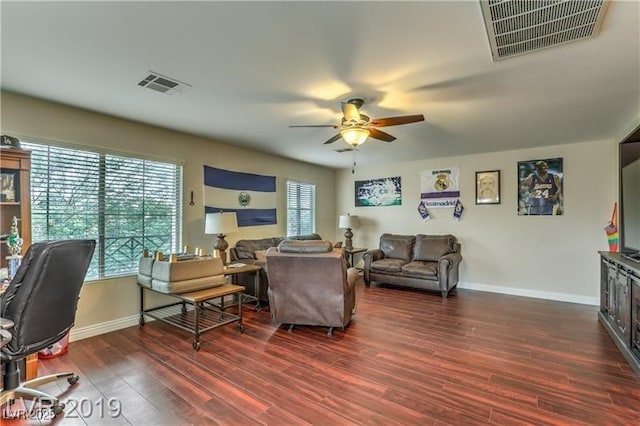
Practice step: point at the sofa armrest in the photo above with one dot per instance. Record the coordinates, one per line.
(448, 270)
(373, 255)
(369, 257)
(233, 254)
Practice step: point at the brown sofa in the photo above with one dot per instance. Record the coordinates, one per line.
(309, 285)
(252, 252)
(428, 262)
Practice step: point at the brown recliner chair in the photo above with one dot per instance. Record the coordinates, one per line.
(309, 285)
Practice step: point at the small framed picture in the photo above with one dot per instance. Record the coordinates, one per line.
(488, 187)
(8, 187)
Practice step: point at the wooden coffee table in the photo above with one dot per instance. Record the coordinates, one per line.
(205, 315)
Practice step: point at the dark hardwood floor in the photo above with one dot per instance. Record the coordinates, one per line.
(409, 358)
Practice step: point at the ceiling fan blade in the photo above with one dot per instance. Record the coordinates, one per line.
(315, 125)
(395, 121)
(379, 134)
(333, 139)
(350, 112)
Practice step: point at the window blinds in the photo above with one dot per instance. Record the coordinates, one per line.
(300, 208)
(125, 204)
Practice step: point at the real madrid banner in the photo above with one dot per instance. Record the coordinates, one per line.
(439, 188)
(251, 196)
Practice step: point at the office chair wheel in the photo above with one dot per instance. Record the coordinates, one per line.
(73, 379)
(57, 408)
(240, 328)
(196, 345)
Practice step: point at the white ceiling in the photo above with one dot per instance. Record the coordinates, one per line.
(257, 67)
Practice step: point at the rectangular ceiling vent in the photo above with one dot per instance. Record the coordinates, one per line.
(163, 84)
(516, 27)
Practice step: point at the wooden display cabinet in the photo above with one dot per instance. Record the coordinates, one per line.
(15, 201)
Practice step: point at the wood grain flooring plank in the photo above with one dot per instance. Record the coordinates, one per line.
(409, 357)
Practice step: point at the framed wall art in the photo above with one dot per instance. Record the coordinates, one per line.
(488, 187)
(378, 192)
(540, 187)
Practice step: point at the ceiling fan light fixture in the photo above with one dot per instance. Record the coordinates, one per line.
(355, 136)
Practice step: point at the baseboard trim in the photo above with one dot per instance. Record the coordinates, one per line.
(560, 297)
(109, 326)
(104, 327)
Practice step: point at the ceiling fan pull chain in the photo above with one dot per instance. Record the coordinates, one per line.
(353, 168)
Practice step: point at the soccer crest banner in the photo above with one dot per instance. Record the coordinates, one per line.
(440, 188)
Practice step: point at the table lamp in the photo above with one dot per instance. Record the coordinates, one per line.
(348, 222)
(221, 224)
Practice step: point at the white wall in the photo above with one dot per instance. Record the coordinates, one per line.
(551, 257)
(113, 303)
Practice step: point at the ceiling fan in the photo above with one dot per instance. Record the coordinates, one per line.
(356, 128)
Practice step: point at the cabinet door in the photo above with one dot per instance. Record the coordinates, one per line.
(604, 286)
(635, 313)
(623, 302)
(611, 293)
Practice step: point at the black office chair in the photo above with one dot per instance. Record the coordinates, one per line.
(38, 309)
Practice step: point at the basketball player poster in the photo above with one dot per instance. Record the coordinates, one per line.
(540, 187)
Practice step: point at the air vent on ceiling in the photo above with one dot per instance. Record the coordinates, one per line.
(163, 84)
(516, 27)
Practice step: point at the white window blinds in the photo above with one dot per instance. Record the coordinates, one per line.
(301, 206)
(125, 204)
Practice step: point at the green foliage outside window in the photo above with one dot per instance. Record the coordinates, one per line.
(126, 204)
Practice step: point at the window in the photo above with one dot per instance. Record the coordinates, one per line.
(126, 204)
(301, 208)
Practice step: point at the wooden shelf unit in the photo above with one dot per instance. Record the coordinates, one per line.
(18, 163)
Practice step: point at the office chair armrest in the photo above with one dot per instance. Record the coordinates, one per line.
(5, 337)
(5, 323)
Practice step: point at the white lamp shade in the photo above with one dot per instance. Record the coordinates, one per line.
(348, 221)
(220, 223)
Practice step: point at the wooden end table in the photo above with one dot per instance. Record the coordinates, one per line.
(350, 252)
(233, 272)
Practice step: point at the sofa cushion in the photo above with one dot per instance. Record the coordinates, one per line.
(306, 237)
(145, 266)
(397, 246)
(187, 269)
(305, 246)
(184, 286)
(433, 247)
(419, 269)
(246, 249)
(388, 265)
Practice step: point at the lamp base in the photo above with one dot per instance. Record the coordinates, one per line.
(222, 245)
(348, 243)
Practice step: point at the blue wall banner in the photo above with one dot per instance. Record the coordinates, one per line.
(252, 197)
